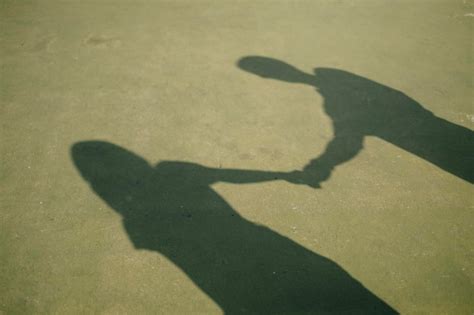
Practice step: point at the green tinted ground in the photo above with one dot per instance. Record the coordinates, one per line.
(102, 102)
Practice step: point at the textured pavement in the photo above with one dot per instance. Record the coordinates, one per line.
(209, 157)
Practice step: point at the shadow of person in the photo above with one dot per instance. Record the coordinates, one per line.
(359, 107)
(244, 267)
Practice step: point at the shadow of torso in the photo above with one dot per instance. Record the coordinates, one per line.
(359, 107)
(244, 267)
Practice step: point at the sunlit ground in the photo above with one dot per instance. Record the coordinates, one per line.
(208, 157)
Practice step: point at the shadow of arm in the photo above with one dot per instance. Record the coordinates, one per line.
(238, 176)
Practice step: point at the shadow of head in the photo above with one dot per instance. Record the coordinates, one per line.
(272, 68)
(115, 174)
(100, 161)
(324, 79)
(119, 176)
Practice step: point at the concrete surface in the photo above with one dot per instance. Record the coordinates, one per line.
(139, 154)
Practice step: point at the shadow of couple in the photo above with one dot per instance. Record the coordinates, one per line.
(244, 267)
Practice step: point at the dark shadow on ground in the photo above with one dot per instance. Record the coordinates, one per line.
(359, 107)
(171, 208)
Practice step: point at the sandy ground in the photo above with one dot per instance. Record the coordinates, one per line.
(161, 81)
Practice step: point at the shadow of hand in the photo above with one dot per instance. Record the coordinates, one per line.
(303, 178)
